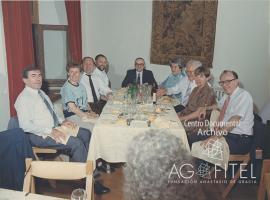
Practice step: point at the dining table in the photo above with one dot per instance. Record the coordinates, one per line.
(6, 194)
(120, 122)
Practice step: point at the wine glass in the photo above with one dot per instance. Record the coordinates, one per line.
(78, 194)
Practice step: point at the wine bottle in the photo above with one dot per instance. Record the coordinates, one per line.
(154, 90)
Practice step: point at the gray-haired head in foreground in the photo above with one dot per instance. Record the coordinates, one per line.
(194, 63)
(150, 159)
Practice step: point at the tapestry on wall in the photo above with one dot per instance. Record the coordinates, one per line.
(184, 29)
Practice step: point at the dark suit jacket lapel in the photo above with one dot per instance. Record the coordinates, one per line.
(134, 76)
(144, 78)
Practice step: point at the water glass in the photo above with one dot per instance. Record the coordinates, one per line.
(78, 194)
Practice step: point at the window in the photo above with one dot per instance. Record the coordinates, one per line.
(51, 55)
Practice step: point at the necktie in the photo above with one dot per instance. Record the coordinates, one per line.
(223, 109)
(55, 119)
(93, 89)
(139, 79)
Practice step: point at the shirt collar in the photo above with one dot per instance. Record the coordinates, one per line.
(31, 89)
(73, 84)
(87, 74)
(234, 92)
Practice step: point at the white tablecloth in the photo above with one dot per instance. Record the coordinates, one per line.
(111, 137)
(6, 194)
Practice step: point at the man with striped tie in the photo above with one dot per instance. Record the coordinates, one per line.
(236, 117)
(37, 117)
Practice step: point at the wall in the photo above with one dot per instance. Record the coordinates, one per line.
(242, 35)
(122, 31)
(4, 95)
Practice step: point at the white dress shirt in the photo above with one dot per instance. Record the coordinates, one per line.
(100, 87)
(183, 86)
(33, 114)
(102, 75)
(141, 74)
(240, 104)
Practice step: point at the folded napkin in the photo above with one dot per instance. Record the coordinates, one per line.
(216, 152)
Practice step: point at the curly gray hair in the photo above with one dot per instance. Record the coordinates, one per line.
(150, 158)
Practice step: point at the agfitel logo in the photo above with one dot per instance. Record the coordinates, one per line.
(213, 149)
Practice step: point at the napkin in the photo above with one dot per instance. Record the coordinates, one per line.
(216, 152)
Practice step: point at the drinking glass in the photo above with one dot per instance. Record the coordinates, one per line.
(78, 194)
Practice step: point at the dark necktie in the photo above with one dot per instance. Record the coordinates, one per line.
(93, 89)
(139, 79)
(55, 119)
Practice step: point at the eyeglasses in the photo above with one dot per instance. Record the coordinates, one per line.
(221, 83)
(139, 64)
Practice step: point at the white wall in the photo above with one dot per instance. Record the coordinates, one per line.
(4, 95)
(242, 35)
(122, 31)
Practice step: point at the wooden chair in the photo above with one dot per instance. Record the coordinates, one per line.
(14, 123)
(265, 181)
(236, 158)
(233, 158)
(58, 171)
(37, 150)
(267, 184)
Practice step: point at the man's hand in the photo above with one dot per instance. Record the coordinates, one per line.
(58, 136)
(161, 92)
(92, 114)
(103, 97)
(201, 111)
(69, 124)
(109, 95)
(180, 117)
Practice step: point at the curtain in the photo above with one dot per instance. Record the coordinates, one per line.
(73, 9)
(19, 44)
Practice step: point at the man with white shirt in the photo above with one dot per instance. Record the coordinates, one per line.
(236, 117)
(184, 86)
(37, 117)
(97, 91)
(139, 75)
(102, 69)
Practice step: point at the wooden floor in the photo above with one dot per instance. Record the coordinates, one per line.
(115, 182)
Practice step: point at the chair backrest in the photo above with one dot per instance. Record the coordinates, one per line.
(13, 123)
(58, 171)
(260, 132)
(219, 93)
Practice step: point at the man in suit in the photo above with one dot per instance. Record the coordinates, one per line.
(139, 75)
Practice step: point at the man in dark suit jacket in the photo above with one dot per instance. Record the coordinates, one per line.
(139, 75)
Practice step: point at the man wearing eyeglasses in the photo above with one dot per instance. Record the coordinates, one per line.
(139, 75)
(236, 117)
(184, 87)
